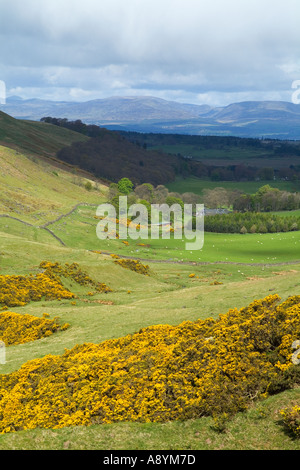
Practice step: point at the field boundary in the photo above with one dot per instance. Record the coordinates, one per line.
(68, 213)
(45, 226)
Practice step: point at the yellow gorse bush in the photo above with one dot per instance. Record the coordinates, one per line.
(74, 272)
(16, 328)
(134, 265)
(291, 419)
(19, 290)
(48, 285)
(161, 373)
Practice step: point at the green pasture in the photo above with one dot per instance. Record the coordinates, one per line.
(199, 152)
(229, 155)
(196, 185)
(287, 213)
(229, 271)
(78, 231)
(226, 266)
(168, 296)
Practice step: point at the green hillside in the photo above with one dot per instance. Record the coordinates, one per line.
(35, 191)
(34, 186)
(168, 296)
(47, 214)
(35, 137)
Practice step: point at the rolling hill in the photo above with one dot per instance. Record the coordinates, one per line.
(34, 192)
(109, 156)
(34, 185)
(270, 119)
(111, 110)
(113, 157)
(35, 138)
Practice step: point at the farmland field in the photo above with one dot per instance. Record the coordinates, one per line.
(168, 296)
(78, 231)
(230, 271)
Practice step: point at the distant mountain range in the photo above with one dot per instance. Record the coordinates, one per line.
(267, 119)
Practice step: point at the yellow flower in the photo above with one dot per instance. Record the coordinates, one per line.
(212, 367)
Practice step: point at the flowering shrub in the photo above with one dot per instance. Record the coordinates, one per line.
(19, 290)
(134, 265)
(161, 373)
(48, 285)
(291, 418)
(73, 271)
(17, 329)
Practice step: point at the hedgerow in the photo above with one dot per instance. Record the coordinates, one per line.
(161, 373)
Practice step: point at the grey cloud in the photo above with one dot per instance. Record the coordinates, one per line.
(187, 46)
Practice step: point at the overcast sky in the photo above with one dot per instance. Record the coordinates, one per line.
(195, 51)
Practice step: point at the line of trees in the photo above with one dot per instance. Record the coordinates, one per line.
(90, 130)
(234, 222)
(253, 222)
(279, 147)
(266, 199)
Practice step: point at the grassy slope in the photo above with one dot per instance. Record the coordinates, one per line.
(34, 187)
(36, 138)
(35, 191)
(167, 296)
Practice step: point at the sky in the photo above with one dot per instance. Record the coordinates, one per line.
(213, 52)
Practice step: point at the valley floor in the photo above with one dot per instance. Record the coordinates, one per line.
(230, 271)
